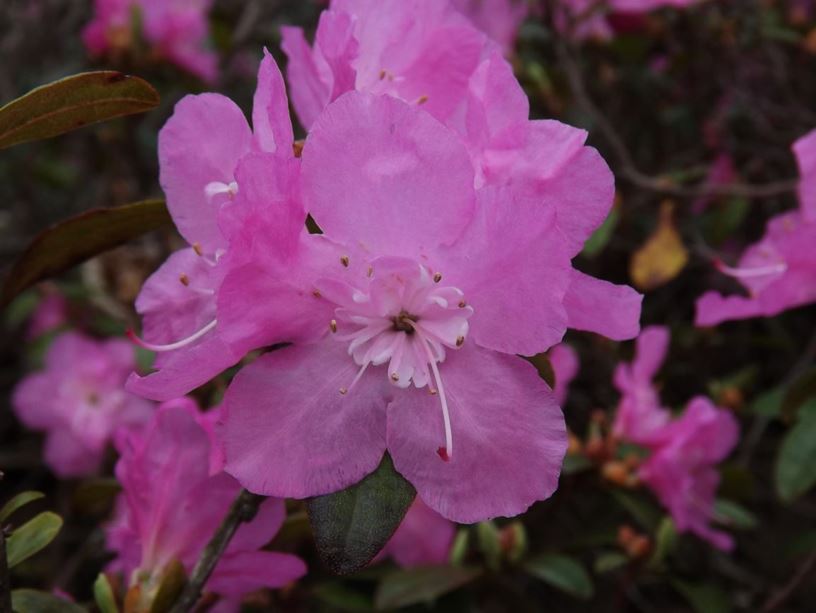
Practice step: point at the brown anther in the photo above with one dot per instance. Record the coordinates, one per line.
(343, 391)
(595, 449)
(344, 260)
(462, 304)
(370, 271)
(185, 280)
(437, 277)
(394, 377)
(316, 293)
(460, 340)
(297, 148)
(422, 99)
(333, 325)
(383, 74)
(197, 248)
(432, 391)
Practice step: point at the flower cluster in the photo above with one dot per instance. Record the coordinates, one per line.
(683, 451)
(176, 30)
(448, 223)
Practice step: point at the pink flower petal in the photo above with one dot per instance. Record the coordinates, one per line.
(423, 537)
(509, 438)
(270, 110)
(386, 176)
(289, 432)
(602, 307)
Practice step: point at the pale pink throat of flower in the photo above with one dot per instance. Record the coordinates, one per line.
(750, 272)
(405, 317)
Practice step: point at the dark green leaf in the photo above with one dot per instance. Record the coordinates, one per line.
(734, 515)
(341, 597)
(350, 527)
(563, 573)
(73, 102)
(460, 545)
(575, 463)
(799, 395)
(768, 404)
(665, 540)
(80, 238)
(20, 500)
(646, 514)
(599, 239)
(704, 597)
(796, 462)
(32, 536)
(103, 595)
(421, 585)
(33, 601)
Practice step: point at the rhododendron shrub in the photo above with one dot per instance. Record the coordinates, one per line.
(78, 400)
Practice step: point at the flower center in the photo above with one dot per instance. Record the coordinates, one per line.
(405, 317)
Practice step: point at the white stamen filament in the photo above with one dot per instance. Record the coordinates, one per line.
(747, 273)
(170, 347)
(441, 389)
(211, 190)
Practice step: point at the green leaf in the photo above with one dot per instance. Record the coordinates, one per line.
(33, 601)
(800, 396)
(608, 561)
(341, 597)
(665, 540)
(600, 238)
(563, 573)
(734, 515)
(575, 463)
(103, 595)
(703, 597)
(768, 404)
(73, 102)
(350, 527)
(796, 462)
(75, 240)
(20, 500)
(646, 514)
(32, 536)
(423, 584)
(459, 548)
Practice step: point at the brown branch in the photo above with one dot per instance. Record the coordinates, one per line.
(628, 169)
(242, 510)
(778, 599)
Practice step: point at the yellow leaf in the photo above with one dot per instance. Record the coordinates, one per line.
(662, 256)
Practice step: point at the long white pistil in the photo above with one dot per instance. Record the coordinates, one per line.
(747, 273)
(170, 347)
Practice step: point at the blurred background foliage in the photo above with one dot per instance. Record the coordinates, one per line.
(663, 100)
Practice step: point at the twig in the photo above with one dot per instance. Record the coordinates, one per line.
(628, 169)
(242, 510)
(778, 599)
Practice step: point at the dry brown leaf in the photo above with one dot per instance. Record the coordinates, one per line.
(662, 257)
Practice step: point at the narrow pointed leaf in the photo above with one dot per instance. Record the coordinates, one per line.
(19, 501)
(103, 595)
(34, 601)
(31, 537)
(563, 573)
(350, 527)
(80, 238)
(796, 462)
(73, 102)
(421, 585)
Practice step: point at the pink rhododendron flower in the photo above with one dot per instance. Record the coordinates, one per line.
(682, 471)
(640, 416)
(78, 399)
(499, 19)
(199, 150)
(592, 18)
(683, 451)
(423, 538)
(779, 271)
(564, 362)
(425, 53)
(175, 29)
(416, 271)
(174, 498)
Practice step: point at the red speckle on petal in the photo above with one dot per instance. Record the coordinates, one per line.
(443, 453)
